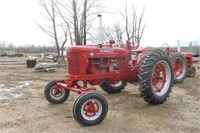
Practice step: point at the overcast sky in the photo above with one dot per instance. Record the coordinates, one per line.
(166, 20)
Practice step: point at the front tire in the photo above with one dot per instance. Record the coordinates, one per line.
(54, 94)
(155, 78)
(112, 88)
(90, 108)
(191, 71)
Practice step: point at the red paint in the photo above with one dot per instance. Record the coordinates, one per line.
(92, 64)
(178, 67)
(159, 77)
(189, 58)
(90, 109)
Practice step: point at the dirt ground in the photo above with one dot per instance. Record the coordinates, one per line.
(23, 108)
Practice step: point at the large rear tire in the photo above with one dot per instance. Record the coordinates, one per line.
(112, 88)
(155, 77)
(180, 67)
(90, 108)
(54, 94)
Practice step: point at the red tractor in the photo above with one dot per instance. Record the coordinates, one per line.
(111, 68)
(182, 63)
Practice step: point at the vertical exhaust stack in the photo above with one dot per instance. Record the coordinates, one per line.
(100, 31)
(179, 48)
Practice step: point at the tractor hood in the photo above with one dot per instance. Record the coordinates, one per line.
(94, 51)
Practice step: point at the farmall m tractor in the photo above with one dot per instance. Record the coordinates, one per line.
(111, 68)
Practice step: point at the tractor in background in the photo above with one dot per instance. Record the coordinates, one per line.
(112, 68)
(182, 63)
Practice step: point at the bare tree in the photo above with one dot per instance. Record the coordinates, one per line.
(80, 15)
(131, 29)
(133, 24)
(116, 32)
(84, 21)
(68, 17)
(126, 23)
(52, 27)
(108, 32)
(141, 27)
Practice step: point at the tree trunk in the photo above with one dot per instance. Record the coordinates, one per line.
(54, 27)
(75, 22)
(84, 22)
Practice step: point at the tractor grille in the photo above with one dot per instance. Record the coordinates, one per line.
(73, 59)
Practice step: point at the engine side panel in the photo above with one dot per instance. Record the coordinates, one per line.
(84, 62)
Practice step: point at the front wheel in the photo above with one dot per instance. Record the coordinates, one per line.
(113, 88)
(191, 71)
(155, 78)
(54, 94)
(90, 108)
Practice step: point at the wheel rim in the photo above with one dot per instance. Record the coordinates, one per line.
(91, 109)
(117, 84)
(179, 68)
(161, 78)
(57, 93)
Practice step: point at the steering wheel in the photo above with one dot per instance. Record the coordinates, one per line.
(165, 46)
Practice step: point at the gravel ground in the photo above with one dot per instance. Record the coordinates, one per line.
(23, 108)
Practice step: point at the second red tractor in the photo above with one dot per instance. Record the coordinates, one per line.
(182, 63)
